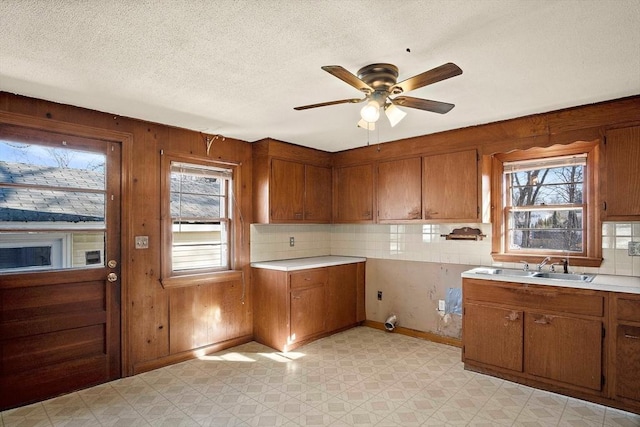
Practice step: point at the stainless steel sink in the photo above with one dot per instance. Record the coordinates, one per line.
(563, 276)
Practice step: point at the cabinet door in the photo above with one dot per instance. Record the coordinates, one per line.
(286, 190)
(400, 189)
(622, 178)
(450, 186)
(341, 296)
(628, 362)
(353, 192)
(493, 336)
(564, 349)
(317, 196)
(307, 313)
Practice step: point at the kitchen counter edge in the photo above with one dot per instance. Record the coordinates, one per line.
(295, 264)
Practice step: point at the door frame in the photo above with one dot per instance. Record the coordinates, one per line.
(125, 140)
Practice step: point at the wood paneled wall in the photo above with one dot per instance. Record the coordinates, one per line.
(151, 336)
(584, 123)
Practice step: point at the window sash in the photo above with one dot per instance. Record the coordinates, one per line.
(195, 245)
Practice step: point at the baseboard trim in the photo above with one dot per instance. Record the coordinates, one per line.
(428, 336)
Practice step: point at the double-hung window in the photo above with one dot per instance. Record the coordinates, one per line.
(197, 217)
(546, 204)
(544, 207)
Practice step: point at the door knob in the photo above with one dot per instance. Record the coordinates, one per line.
(112, 277)
(112, 263)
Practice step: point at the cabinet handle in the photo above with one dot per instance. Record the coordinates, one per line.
(631, 337)
(295, 297)
(513, 316)
(544, 320)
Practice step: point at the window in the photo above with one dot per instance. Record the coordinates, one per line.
(197, 226)
(52, 204)
(547, 205)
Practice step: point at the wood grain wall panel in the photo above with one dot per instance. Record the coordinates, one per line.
(538, 130)
(206, 314)
(145, 310)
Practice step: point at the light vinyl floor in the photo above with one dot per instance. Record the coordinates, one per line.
(360, 377)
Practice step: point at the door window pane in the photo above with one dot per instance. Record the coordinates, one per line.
(58, 195)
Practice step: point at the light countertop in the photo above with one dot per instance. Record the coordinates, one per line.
(306, 263)
(601, 282)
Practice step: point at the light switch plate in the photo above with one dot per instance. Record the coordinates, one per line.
(634, 248)
(142, 242)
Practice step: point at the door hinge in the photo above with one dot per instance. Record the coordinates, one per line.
(478, 209)
(602, 381)
(604, 332)
(604, 205)
(477, 156)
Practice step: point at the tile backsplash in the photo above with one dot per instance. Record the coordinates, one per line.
(421, 242)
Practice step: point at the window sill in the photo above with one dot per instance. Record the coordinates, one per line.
(580, 261)
(201, 279)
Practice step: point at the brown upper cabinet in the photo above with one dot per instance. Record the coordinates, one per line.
(441, 187)
(353, 194)
(400, 190)
(450, 187)
(622, 156)
(291, 184)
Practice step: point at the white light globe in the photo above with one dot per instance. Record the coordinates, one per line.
(370, 112)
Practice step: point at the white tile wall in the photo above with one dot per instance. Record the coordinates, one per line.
(418, 242)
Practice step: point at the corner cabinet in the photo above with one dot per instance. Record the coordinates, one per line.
(622, 181)
(291, 184)
(292, 308)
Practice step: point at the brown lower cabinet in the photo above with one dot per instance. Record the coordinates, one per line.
(555, 338)
(293, 308)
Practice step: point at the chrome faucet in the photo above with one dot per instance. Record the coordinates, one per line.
(543, 263)
(525, 266)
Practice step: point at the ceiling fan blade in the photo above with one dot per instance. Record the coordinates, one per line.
(347, 77)
(434, 75)
(423, 104)
(324, 104)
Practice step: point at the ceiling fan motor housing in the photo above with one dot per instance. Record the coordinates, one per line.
(381, 77)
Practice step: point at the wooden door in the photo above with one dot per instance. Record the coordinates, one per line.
(564, 349)
(59, 313)
(353, 194)
(286, 190)
(622, 179)
(628, 362)
(317, 195)
(341, 296)
(493, 336)
(450, 186)
(400, 189)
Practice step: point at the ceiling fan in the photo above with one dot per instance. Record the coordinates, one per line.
(378, 82)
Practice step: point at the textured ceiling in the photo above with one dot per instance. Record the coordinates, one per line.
(238, 68)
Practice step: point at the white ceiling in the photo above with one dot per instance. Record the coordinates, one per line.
(238, 68)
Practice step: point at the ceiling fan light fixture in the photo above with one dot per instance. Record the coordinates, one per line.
(366, 125)
(394, 114)
(370, 112)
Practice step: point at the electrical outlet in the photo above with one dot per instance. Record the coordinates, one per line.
(379, 295)
(634, 248)
(292, 241)
(142, 242)
(441, 305)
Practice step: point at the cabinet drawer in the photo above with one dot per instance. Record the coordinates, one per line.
(628, 309)
(548, 298)
(306, 278)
